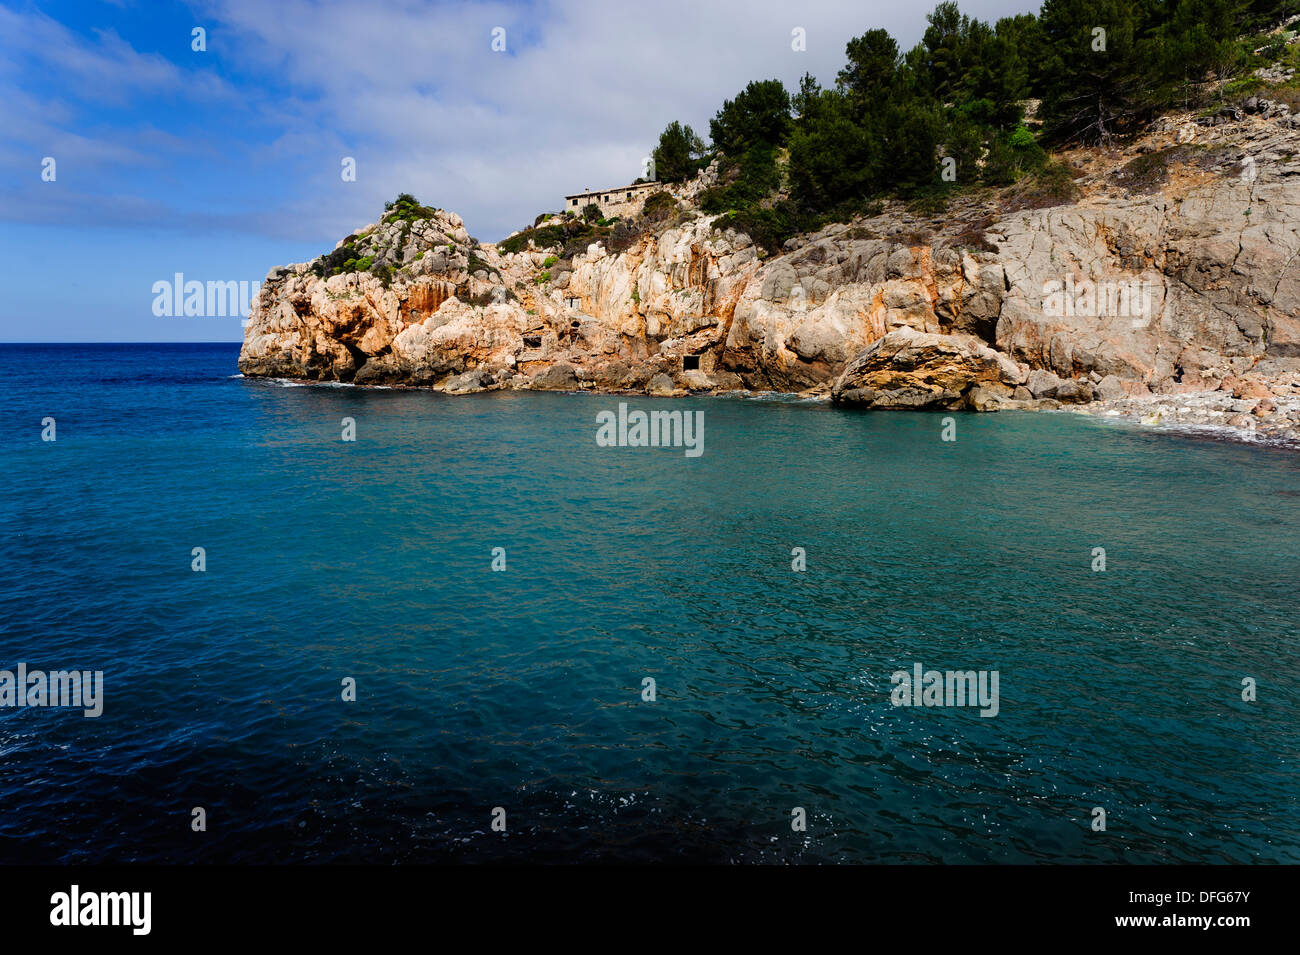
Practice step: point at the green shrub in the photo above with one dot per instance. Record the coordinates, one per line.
(748, 182)
(1148, 172)
(769, 228)
(1243, 86)
(543, 237)
(658, 206)
(930, 203)
(1052, 185)
(578, 243)
(407, 208)
(1012, 156)
(972, 236)
(1273, 48)
(549, 261)
(1021, 137)
(342, 259)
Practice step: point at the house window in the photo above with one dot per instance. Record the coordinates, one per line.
(629, 197)
(690, 363)
(575, 202)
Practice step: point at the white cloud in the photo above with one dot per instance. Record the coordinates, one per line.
(415, 92)
(412, 90)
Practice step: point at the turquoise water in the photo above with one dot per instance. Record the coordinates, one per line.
(521, 689)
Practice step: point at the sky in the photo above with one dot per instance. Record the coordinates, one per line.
(221, 155)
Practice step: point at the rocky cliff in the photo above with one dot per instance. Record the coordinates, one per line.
(1166, 289)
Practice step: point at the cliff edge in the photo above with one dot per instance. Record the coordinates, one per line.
(1158, 281)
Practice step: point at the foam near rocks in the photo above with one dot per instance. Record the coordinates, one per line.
(1217, 413)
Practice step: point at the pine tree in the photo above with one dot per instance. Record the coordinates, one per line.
(759, 114)
(1093, 82)
(677, 155)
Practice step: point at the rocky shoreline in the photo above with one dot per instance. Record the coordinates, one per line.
(1271, 422)
(1163, 290)
(1212, 414)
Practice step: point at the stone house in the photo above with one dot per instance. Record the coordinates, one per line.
(625, 201)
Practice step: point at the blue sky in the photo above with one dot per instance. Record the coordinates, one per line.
(222, 163)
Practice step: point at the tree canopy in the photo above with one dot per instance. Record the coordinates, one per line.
(950, 111)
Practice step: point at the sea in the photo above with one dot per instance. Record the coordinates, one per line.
(340, 624)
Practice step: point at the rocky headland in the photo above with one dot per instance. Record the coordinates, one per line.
(1156, 282)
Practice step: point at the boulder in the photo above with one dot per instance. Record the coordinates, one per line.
(991, 396)
(1110, 388)
(1042, 383)
(558, 377)
(1075, 391)
(697, 381)
(660, 385)
(911, 369)
(1246, 388)
(473, 380)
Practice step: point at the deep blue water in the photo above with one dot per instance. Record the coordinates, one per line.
(521, 689)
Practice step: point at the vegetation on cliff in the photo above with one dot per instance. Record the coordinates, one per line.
(573, 234)
(950, 115)
(971, 106)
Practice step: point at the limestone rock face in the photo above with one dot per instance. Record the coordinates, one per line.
(1193, 286)
(1199, 285)
(616, 321)
(924, 370)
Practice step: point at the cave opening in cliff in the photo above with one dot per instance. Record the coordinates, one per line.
(690, 363)
(532, 341)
